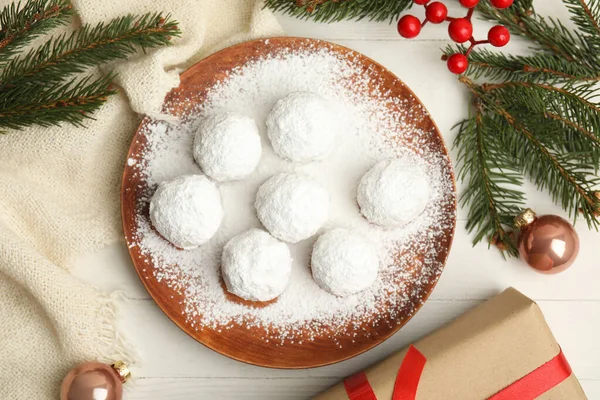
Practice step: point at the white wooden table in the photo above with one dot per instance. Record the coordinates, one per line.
(175, 367)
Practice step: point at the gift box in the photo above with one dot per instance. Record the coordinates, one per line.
(500, 350)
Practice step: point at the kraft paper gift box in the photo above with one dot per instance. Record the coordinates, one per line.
(500, 350)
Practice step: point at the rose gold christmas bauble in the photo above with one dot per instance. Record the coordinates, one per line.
(548, 243)
(94, 381)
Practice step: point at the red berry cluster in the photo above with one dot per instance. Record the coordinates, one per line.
(459, 29)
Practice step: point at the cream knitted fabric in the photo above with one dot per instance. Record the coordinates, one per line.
(59, 198)
(207, 25)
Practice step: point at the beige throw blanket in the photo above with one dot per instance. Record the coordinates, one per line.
(59, 199)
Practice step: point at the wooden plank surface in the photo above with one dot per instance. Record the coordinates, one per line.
(175, 367)
(251, 389)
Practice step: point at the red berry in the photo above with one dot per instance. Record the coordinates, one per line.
(498, 36)
(421, 2)
(460, 30)
(458, 63)
(409, 26)
(436, 12)
(469, 3)
(502, 3)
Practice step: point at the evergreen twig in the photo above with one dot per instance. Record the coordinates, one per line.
(41, 87)
(541, 115)
(586, 15)
(21, 24)
(547, 33)
(490, 175)
(337, 10)
(536, 67)
(56, 103)
(89, 46)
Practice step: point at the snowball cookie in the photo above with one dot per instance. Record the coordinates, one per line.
(256, 266)
(187, 211)
(302, 127)
(344, 263)
(227, 146)
(292, 206)
(394, 192)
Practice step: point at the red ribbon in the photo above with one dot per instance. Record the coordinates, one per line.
(537, 382)
(529, 387)
(409, 375)
(407, 380)
(358, 387)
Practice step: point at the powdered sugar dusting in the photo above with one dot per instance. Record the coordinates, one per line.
(375, 127)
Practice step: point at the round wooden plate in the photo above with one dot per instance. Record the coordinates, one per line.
(239, 342)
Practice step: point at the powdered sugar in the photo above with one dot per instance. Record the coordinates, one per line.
(302, 127)
(375, 127)
(187, 210)
(256, 266)
(292, 207)
(227, 146)
(344, 263)
(394, 192)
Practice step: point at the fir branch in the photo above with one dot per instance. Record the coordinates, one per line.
(40, 87)
(541, 114)
(549, 126)
(549, 34)
(89, 46)
(337, 10)
(48, 105)
(491, 194)
(568, 126)
(536, 67)
(564, 175)
(586, 15)
(574, 102)
(21, 24)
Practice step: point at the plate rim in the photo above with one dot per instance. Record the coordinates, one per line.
(379, 340)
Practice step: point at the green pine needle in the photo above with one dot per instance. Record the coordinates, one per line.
(89, 46)
(586, 15)
(540, 66)
(539, 118)
(547, 33)
(21, 24)
(55, 103)
(41, 87)
(492, 192)
(338, 10)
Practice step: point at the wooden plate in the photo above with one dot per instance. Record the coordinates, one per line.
(240, 342)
